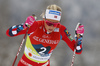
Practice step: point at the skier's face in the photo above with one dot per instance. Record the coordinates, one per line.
(50, 24)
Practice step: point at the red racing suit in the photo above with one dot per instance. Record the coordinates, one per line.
(40, 45)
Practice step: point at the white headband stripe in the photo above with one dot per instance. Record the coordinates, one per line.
(52, 14)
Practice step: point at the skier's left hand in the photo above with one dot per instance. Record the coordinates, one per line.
(79, 30)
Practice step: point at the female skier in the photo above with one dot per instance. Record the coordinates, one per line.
(43, 37)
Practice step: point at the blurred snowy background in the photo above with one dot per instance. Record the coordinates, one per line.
(85, 11)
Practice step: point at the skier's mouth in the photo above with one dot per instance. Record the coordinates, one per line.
(50, 29)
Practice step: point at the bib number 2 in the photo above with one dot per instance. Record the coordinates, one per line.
(43, 50)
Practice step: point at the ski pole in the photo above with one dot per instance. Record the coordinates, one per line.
(20, 47)
(23, 40)
(73, 58)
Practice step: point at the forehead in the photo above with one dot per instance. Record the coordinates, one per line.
(51, 20)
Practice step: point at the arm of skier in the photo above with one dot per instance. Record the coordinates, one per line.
(21, 28)
(15, 30)
(66, 36)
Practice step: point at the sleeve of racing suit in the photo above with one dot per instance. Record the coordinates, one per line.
(66, 36)
(19, 29)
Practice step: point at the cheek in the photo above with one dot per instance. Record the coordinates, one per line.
(46, 26)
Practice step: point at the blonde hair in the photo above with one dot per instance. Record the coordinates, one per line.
(51, 7)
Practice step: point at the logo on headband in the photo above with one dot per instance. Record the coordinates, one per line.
(52, 14)
(55, 16)
(55, 12)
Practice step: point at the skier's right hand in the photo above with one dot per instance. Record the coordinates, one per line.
(29, 21)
